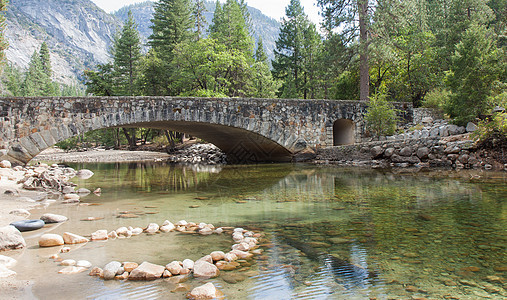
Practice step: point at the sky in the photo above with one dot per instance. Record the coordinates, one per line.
(272, 8)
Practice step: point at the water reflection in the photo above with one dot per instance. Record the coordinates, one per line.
(329, 233)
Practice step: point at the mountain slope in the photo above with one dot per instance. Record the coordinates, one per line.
(77, 32)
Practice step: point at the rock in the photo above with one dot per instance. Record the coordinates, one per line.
(7, 262)
(152, 228)
(147, 271)
(120, 271)
(339, 240)
(217, 255)
(184, 271)
(130, 266)
(471, 127)
(174, 267)
(227, 265)
(71, 238)
(96, 271)
(68, 189)
(123, 232)
(178, 279)
(406, 151)
(84, 174)
(206, 258)
(100, 235)
(241, 246)
(167, 226)
(20, 212)
(204, 292)
(65, 250)
(68, 262)
(5, 164)
(233, 278)
(188, 264)
(122, 276)
(5, 272)
(50, 240)
(97, 191)
(389, 152)
(181, 287)
(83, 191)
(71, 270)
(83, 264)
(111, 269)
(493, 278)
(137, 231)
(427, 120)
(167, 274)
(206, 231)
(205, 269)
(230, 257)
(377, 151)
(242, 254)
(112, 235)
(53, 218)
(423, 152)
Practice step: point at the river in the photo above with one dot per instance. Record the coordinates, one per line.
(328, 232)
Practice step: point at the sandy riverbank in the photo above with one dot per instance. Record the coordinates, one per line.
(98, 155)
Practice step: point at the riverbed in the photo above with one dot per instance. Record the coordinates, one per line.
(328, 232)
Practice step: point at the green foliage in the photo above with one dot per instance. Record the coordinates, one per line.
(347, 86)
(381, 115)
(436, 98)
(127, 55)
(492, 131)
(3, 42)
(37, 80)
(100, 82)
(295, 54)
(475, 67)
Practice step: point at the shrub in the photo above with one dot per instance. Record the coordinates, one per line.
(381, 115)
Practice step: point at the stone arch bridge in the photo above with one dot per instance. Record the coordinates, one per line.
(247, 130)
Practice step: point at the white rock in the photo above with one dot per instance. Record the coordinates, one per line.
(5, 272)
(230, 257)
(50, 240)
(205, 269)
(112, 235)
(68, 262)
(83, 191)
(137, 231)
(217, 255)
(99, 235)
(71, 238)
(206, 231)
(152, 228)
(68, 190)
(167, 226)
(147, 271)
(53, 218)
(188, 264)
(124, 232)
(20, 212)
(181, 223)
(174, 267)
(84, 174)
(83, 264)
(5, 164)
(241, 246)
(7, 262)
(71, 270)
(471, 127)
(111, 269)
(204, 292)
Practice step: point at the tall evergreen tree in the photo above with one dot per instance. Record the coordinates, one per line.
(260, 53)
(346, 15)
(294, 48)
(35, 78)
(127, 55)
(3, 41)
(199, 18)
(172, 24)
(45, 60)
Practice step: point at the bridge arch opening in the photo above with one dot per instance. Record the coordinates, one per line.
(343, 132)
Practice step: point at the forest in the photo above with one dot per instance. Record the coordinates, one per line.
(444, 54)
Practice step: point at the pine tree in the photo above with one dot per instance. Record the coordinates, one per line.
(345, 15)
(127, 54)
(199, 18)
(45, 60)
(260, 53)
(35, 78)
(172, 24)
(293, 54)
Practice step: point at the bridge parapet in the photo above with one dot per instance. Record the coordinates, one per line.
(246, 129)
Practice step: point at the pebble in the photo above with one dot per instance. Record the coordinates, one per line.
(50, 240)
(96, 271)
(129, 266)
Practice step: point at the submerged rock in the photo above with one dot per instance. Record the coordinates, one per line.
(204, 292)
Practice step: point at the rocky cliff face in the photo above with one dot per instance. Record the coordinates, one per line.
(77, 32)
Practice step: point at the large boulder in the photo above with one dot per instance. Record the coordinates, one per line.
(204, 292)
(205, 269)
(147, 271)
(53, 218)
(50, 240)
(11, 238)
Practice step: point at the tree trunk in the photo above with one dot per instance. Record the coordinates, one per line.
(364, 76)
(131, 137)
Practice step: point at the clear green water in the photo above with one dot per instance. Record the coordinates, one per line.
(330, 233)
